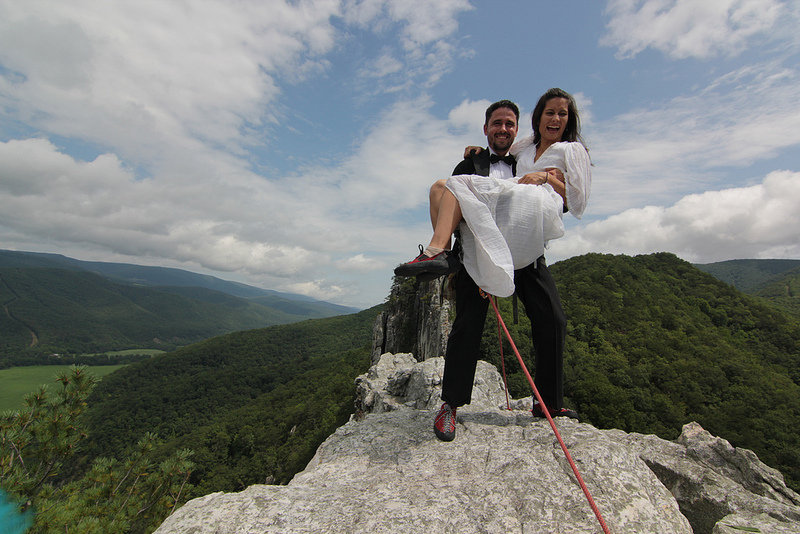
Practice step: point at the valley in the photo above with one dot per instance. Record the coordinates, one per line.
(16, 382)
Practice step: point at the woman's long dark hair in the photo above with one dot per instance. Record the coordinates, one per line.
(573, 130)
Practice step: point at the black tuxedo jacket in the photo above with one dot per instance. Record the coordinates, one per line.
(477, 164)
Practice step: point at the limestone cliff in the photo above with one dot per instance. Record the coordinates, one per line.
(384, 471)
(416, 319)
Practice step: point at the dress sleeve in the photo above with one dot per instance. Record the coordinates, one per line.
(520, 145)
(578, 178)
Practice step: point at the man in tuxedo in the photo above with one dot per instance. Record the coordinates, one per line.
(534, 286)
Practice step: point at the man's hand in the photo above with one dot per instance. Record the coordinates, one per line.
(471, 151)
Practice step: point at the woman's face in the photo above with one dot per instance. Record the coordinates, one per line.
(554, 120)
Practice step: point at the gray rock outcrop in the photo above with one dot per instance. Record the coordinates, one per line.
(384, 471)
(399, 381)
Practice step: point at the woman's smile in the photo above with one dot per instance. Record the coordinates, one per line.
(554, 120)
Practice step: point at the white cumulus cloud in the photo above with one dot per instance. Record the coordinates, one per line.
(758, 221)
(689, 28)
(692, 141)
(360, 264)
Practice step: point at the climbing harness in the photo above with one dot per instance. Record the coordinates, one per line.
(502, 324)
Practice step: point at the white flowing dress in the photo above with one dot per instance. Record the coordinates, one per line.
(507, 225)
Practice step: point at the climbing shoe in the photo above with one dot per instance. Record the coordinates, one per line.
(563, 412)
(444, 426)
(443, 263)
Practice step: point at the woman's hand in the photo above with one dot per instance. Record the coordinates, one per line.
(534, 178)
(552, 176)
(555, 174)
(470, 149)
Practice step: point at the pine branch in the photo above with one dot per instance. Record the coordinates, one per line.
(180, 490)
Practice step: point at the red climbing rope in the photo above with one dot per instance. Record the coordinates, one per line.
(550, 420)
(503, 363)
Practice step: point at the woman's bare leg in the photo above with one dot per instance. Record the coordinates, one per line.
(447, 219)
(437, 190)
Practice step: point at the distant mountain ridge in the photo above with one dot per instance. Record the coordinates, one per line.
(749, 275)
(154, 276)
(777, 281)
(52, 304)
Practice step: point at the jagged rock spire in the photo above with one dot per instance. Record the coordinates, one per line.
(416, 319)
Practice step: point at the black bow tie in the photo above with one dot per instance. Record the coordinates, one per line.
(494, 158)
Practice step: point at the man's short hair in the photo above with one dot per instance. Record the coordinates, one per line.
(502, 104)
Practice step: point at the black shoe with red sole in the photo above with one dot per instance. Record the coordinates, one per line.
(563, 412)
(444, 426)
(432, 266)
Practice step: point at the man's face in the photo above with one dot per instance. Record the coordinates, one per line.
(501, 130)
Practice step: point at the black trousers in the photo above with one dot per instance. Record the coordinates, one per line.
(536, 289)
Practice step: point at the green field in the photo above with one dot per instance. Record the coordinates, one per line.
(128, 352)
(16, 382)
(110, 354)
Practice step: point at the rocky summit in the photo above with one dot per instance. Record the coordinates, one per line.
(385, 471)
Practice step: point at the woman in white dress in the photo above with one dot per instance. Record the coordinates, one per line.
(505, 224)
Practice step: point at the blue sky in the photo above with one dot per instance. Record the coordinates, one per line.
(290, 145)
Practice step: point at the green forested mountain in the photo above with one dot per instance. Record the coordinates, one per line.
(250, 404)
(49, 310)
(275, 435)
(782, 291)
